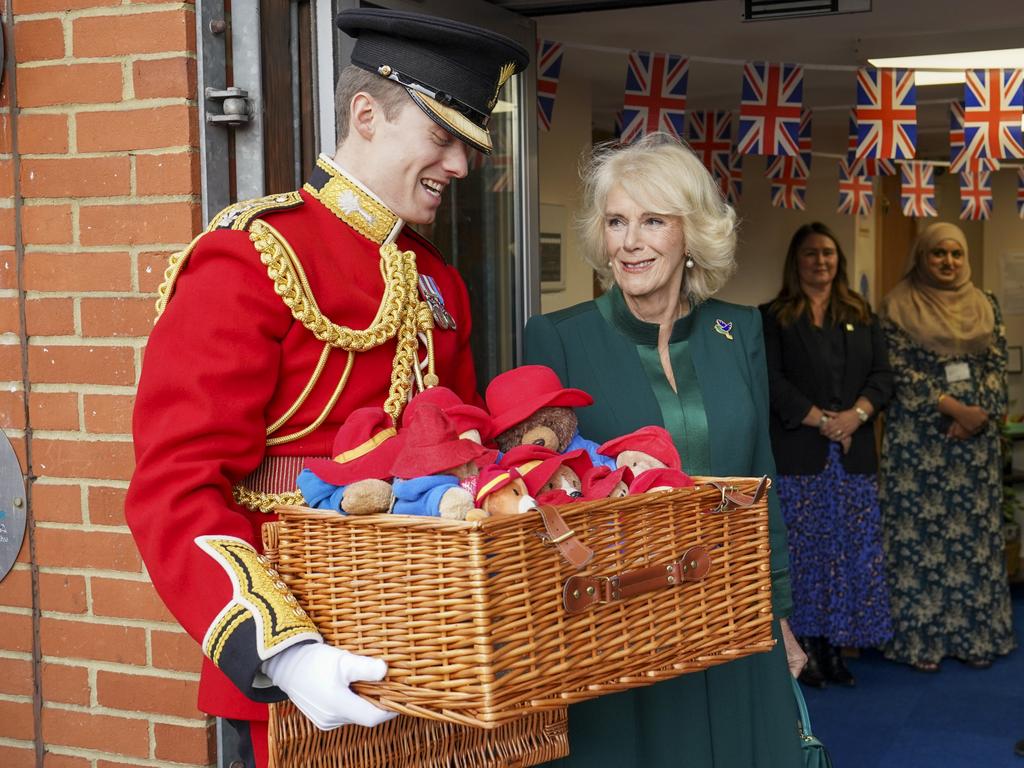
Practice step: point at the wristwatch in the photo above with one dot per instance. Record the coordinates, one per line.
(861, 414)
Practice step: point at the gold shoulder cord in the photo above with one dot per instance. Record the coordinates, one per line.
(401, 315)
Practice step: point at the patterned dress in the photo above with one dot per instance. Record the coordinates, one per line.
(941, 508)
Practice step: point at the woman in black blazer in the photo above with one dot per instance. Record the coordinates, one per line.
(828, 376)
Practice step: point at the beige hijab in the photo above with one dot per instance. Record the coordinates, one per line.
(954, 320)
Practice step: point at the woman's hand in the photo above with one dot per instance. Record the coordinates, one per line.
(972, 418)
(957, 432)
(840, 424)
(795, 656)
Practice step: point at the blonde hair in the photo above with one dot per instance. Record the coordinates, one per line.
(664, 176)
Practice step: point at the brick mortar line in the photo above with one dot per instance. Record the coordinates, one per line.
(82, 437)
(88, 341)
(126, 714)
(108, 200)
(130, 58)
(107, 154)
(138, 578)
(11, 69)
(16, 655)
(62, 388)
(71, 110)
(108, 10)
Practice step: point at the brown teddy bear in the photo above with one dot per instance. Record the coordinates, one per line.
(529, 406)
(431, 465)
(502, 492)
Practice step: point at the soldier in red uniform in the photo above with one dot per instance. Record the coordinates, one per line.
(284, 316)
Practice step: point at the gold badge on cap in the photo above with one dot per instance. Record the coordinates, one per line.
(504, 74)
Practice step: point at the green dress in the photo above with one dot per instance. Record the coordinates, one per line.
(741, 714)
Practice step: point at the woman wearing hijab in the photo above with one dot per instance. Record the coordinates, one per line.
(941, 489)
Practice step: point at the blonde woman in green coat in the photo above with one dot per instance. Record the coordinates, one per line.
(655, 348)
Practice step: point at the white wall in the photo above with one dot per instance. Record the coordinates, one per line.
(560, 151)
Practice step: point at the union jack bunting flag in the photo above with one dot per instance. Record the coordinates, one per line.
(549, 67)
(789, 192)
(856, 191)
(992, 113)
(799, 164)
(732, 186)
(618, 125)
(959, 159)
(886, 114)
(709, 135)
(868, 166)
(917, 192)
(773, 96)
(1020, 192)
(655, 97)
(975, 195)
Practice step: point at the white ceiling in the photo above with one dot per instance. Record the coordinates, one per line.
(716, 29)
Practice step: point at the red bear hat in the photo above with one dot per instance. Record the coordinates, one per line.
(493, 478)
(430, 445)
(364, 448)
(536, 464)
(515, 395)
(655, 441)
(661, 476)
(599, 481)
(463, 416)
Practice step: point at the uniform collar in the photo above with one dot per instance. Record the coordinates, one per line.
(349, 199)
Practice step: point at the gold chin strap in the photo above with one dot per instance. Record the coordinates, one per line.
(401, 315)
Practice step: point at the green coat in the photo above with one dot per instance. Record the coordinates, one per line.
(737, 715)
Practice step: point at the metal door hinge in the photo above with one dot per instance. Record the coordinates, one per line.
(236, 107)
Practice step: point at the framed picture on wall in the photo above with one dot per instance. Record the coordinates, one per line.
(1014, 360)
(552, 248)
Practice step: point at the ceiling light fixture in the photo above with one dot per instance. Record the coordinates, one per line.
(942, 68)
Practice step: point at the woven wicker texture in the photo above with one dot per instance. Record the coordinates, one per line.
(469, 616)
(416, 742)
(410, 742)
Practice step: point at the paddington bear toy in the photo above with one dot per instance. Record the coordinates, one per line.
(529, 406)
(503, 492)
(550, 477)
(357, 480)
(431, 463)
(605, 483)
(646, 448)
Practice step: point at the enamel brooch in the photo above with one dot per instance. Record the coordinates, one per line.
(724, 328)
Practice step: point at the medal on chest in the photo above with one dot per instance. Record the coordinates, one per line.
(432, 295)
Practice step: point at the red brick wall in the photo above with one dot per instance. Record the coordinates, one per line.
(99, 169)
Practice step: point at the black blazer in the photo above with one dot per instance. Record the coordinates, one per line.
(798, 379)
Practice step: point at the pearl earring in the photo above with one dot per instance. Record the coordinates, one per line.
(689, 261)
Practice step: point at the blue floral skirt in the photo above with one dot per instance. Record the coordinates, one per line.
(836, 563)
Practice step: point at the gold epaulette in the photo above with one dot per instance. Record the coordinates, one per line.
(236, 216)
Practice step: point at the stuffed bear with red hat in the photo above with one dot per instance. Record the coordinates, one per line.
(646, 448)
(470, 422)
(529, 406)
(432, 461)
(546, 472)
(603, 482)
(357, 480)
(502, 492)
(659, 479)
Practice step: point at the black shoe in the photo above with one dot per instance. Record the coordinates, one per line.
(812, 674)
(1019, 748)
(834, 667)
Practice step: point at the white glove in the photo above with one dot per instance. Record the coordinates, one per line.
(316, 678)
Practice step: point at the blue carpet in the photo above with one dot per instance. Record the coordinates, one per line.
(897, 717)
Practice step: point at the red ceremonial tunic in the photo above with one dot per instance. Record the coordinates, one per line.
(225, 360)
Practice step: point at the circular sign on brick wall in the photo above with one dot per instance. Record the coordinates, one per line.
(12, 506)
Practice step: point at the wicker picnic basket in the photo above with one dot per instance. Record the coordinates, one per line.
(410, 742)
(484, 622)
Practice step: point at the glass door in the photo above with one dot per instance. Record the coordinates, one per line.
(487, 227)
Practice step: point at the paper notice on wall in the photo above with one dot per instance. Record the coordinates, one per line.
(1013, 284)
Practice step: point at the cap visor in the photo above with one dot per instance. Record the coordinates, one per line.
(454, 122)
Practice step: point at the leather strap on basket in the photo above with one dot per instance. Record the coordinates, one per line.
(733, 498)
(582, 592)
(576, 553)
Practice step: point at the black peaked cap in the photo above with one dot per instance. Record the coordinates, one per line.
(453, 71)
